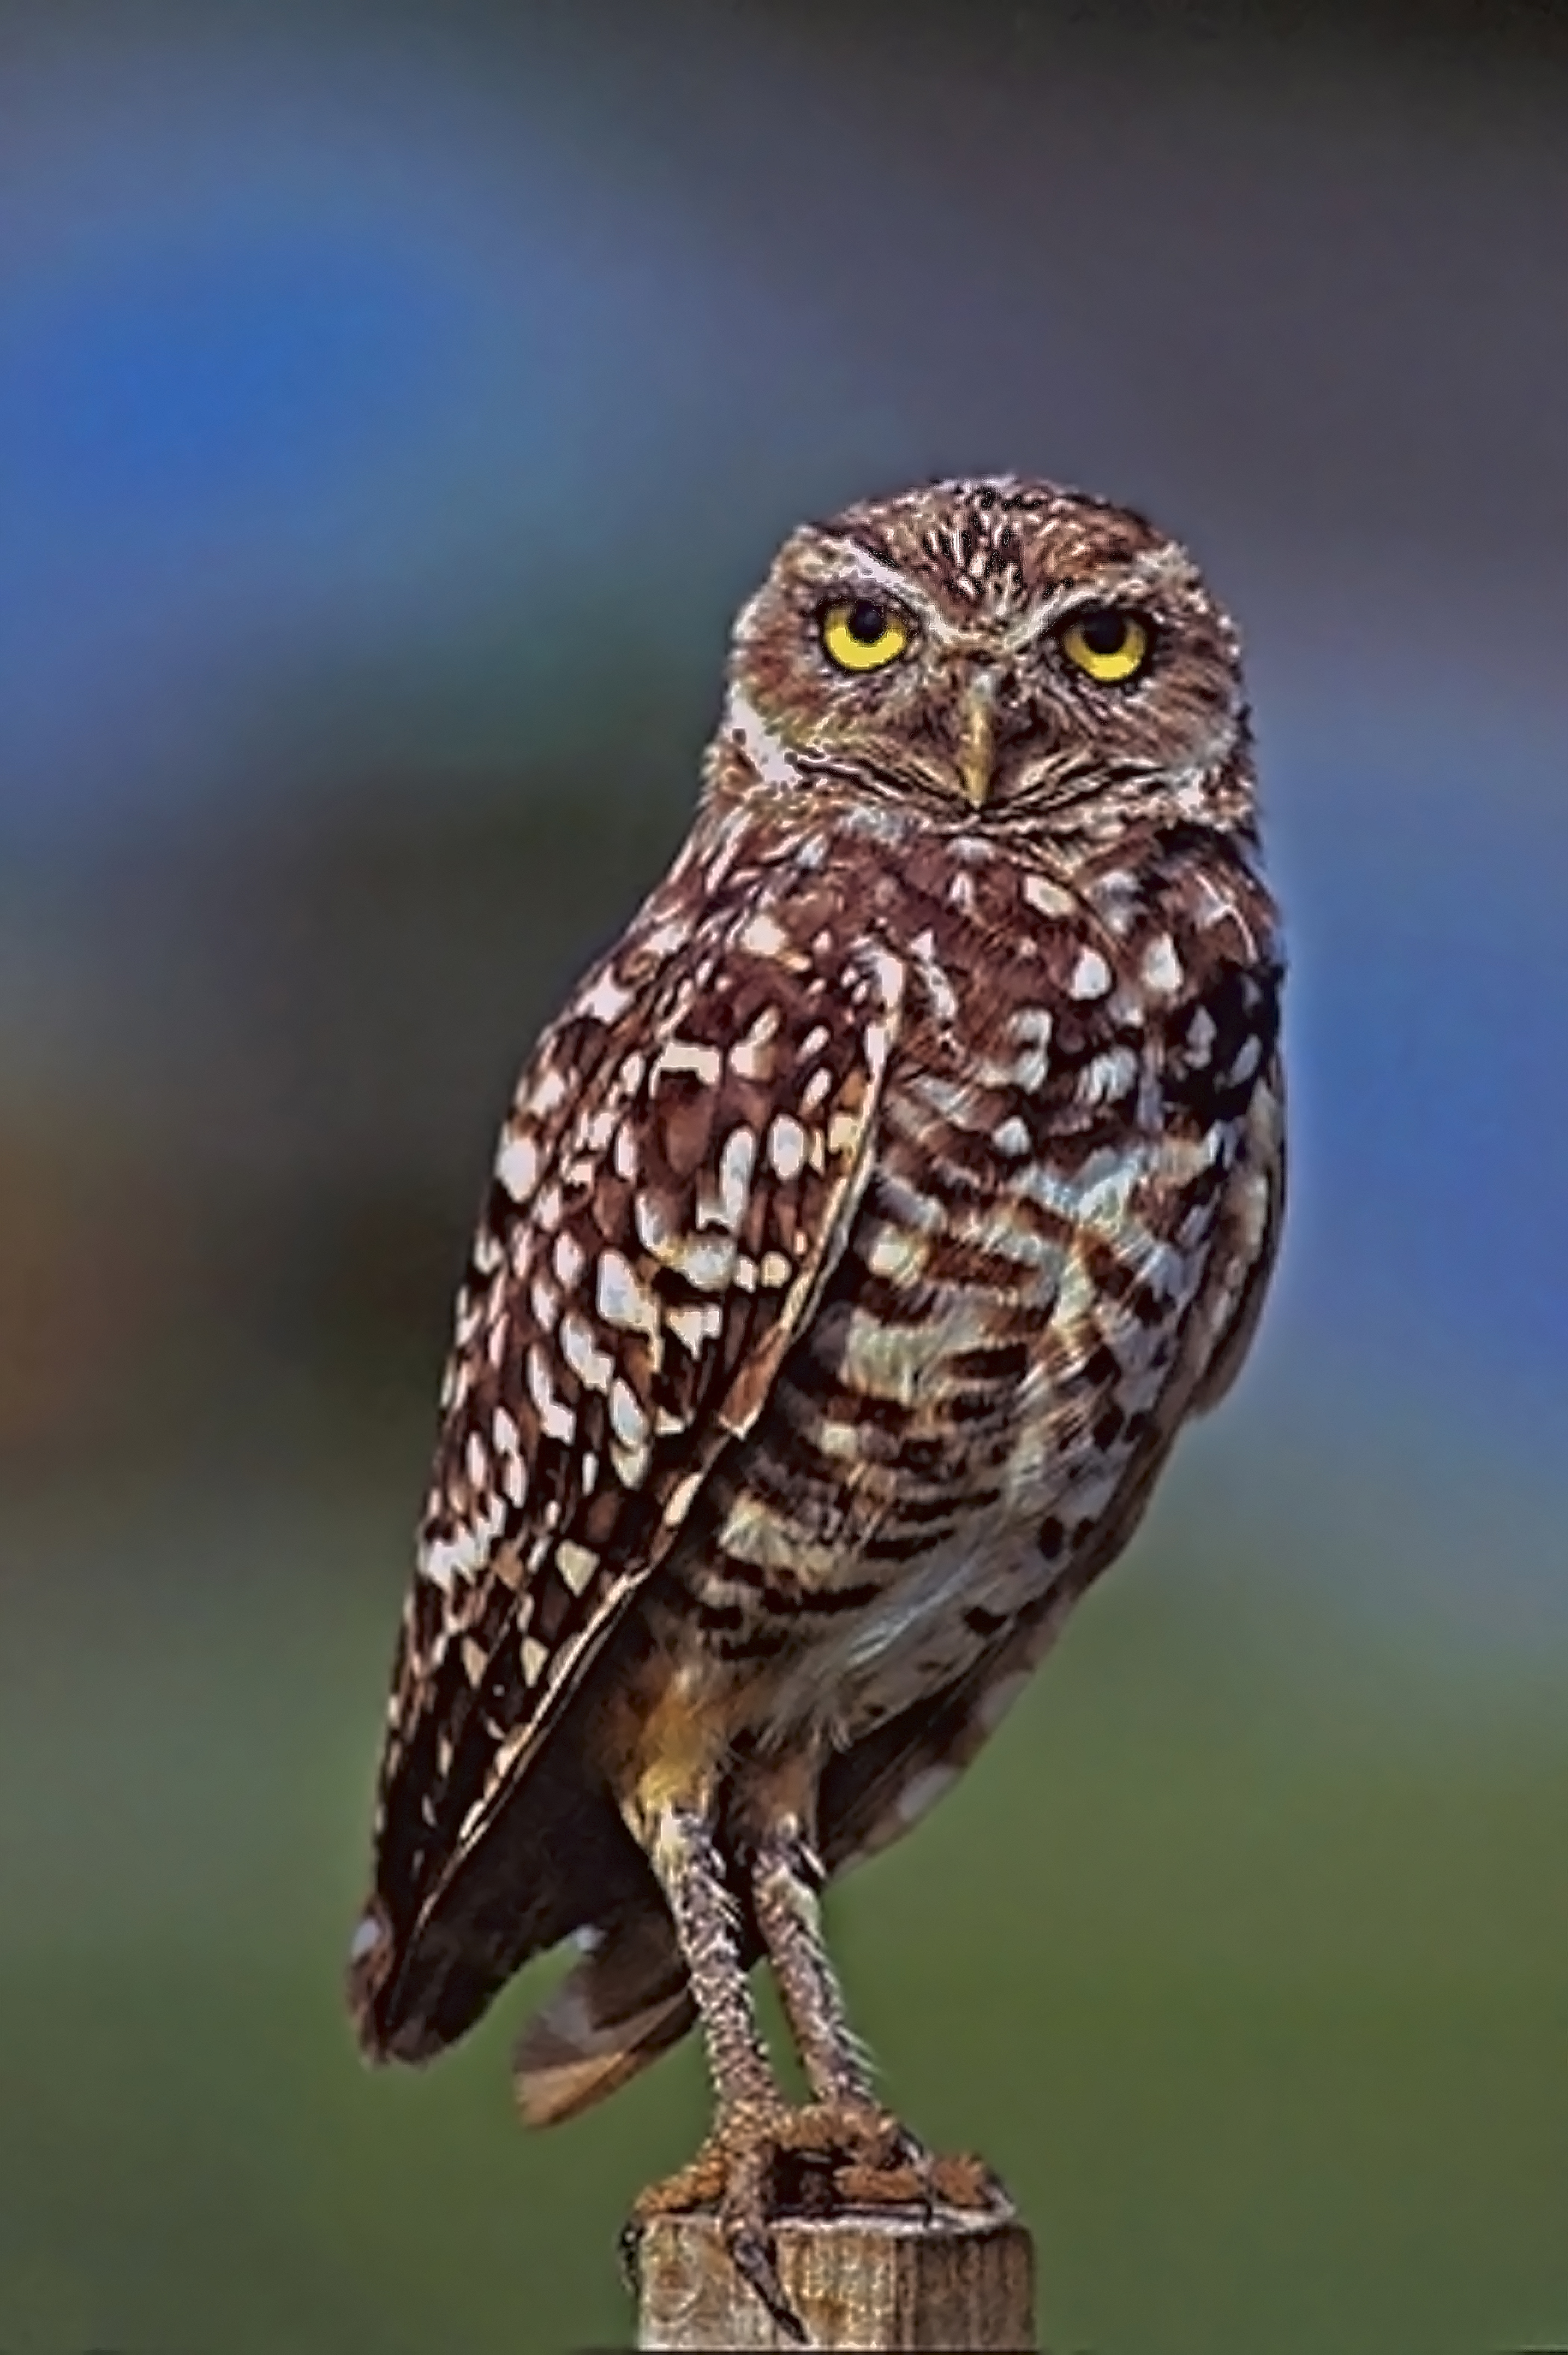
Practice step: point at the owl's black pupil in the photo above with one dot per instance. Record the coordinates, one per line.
(1104, 633)
(866, 622)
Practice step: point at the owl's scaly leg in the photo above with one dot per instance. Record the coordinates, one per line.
(761, 2155)
(785, 1876)
(686, 1858)
(734, 2169)
(879, 2162)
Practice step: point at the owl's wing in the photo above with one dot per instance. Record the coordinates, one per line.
(673, 1186)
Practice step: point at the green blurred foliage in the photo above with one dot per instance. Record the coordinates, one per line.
(1239, 1954)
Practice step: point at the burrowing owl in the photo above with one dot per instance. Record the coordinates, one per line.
(861, 1235)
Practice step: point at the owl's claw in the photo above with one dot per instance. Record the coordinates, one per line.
(930, 2181)
(751, 2248)
(733, 2175)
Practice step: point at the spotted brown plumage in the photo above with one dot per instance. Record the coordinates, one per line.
(660, 1221)
(861, 1235)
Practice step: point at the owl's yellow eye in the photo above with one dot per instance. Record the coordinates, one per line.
(1106, 645)
(860, 635)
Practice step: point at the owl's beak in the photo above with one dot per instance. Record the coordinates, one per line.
(976, 742)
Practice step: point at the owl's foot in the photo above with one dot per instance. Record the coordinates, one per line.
(851, 2154)
(765, 2162)
(737, 2175)
(930, 2181)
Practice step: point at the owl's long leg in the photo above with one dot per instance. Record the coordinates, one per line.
(663, 1750)
(785, 1876)
(879, 2160)
(662, 1747)
(734, 2169)
(685, 1857)
(761, 2151)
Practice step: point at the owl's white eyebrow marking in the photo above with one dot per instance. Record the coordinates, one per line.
(860, 570)
(1159, 568)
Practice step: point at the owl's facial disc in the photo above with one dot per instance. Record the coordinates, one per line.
(994, 655)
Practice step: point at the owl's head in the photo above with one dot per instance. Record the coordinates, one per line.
(995, 653)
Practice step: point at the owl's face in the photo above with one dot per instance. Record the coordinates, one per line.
(992, 654)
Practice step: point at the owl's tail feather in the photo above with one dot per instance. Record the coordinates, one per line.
(626, 2001)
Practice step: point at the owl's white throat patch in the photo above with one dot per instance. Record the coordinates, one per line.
(763, 749)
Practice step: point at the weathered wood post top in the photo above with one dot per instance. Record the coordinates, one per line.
(856, 2281)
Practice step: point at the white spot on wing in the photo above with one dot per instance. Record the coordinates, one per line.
(678, 1055)
(749, 1058)
(627, 1421)
(621, 1299)
(1161, 966)
(786, 1147)
(1091, 976)
(654, 1228)
(923, 1790)
(576, 1563)
(1031, 1027)
(894, 1253)
(693, 1326)
(680, 1496)
(998, 1699)
(592, 1365)
(1247, 1061)
(517, 1168)
(735, 1165)
(547, 1093)
(764, 937)
(1107, 1076)
(607, 1000)
(365, 1939)
(556, 1420)
(705, 1261)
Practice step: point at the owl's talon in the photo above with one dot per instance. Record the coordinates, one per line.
(700, 2184)
(752, 2254)
(882, 2187)
(960, 2181)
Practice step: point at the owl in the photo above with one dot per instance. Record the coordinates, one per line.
(860, 1237)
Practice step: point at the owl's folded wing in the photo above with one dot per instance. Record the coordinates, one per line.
(673, 1186)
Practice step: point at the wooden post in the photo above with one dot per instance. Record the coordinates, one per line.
(862, 2280)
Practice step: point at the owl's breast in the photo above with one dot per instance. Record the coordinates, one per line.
(987, 1366)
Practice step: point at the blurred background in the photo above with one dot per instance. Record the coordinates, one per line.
(394, 404)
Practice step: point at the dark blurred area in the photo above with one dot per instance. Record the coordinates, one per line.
(395, 402)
